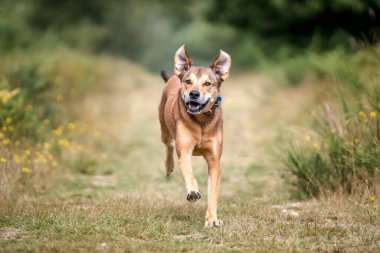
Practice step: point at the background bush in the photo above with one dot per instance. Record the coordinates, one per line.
(39, 90)
(342, 155)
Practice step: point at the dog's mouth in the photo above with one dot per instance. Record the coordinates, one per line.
(193, 107)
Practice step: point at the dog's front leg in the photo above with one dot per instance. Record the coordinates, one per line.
(184, 160)
(214, 174)
(185, 143)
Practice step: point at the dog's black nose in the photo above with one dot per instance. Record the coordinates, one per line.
(194, 94)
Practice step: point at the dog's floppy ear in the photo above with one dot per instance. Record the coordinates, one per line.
(221, 66)
(182, 61)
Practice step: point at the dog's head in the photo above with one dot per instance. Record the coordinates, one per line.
(200, 85)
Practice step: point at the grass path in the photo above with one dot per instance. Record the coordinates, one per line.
(125, 203)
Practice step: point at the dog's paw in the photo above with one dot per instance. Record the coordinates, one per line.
(193, 196)
(212, 223)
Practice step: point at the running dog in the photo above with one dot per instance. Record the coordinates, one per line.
(191, 120)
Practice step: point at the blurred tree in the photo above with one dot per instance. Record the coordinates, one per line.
(296, 21)
(45, 14)
(149, 31)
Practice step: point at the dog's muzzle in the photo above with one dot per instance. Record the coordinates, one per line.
(195, 107)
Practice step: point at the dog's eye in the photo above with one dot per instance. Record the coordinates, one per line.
(207, 83)
(188, 81)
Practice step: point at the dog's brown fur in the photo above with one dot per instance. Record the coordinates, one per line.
(199, 133)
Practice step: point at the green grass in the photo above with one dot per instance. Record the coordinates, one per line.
(111, 194)
(155, 224)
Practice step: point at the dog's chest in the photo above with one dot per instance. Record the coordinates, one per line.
(198, 151)
(207, 143)
(200, 147)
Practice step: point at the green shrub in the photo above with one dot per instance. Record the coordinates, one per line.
(343, 154)
(35, 91)
(33, 101)
(39, 93)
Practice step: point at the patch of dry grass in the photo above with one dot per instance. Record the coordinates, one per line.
(153, 223)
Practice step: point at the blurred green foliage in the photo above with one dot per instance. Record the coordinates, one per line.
(150, 31)
(36, 89)
(27, 108)
(296, 22)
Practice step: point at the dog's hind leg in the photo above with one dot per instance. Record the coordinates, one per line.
(169, 161)
(167, 139)
(169, 143)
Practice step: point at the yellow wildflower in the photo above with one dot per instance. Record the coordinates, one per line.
(71, 126)
(46, 121)
(362, 114)
(372, 114)
(64, 143)
(6, 95)
(356, 141)
(46, 145)
(8, 120)
(372, 198)
(58, 131)
(27, 152)
(4, 129)
(17, 159)
(42, 160)
(25, 170)
(1, 136)
(3, 160)
(375, 207)
(307, 138)
(315, 146)
(6, 141)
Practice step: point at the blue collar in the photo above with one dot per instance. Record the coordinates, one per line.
(216, 104)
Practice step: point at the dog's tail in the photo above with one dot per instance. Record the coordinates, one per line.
(165, 75)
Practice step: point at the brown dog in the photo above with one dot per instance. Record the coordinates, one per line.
(192, 122)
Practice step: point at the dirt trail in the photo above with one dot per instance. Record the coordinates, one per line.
(254, 108)
(126, 204)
